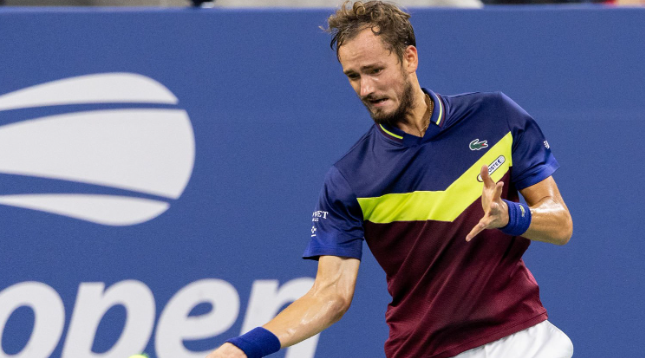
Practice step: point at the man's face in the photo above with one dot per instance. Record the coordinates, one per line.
(377, 76)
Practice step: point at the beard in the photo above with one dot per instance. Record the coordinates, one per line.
(406, 104)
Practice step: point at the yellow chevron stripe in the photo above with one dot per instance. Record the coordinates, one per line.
(444, 205)
(390, 133)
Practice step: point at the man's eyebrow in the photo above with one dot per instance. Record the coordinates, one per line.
(349, 72)
(369, 67)
(363, 68)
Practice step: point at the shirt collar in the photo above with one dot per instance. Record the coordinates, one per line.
(437, 119)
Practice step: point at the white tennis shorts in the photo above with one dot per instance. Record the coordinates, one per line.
(543, 340)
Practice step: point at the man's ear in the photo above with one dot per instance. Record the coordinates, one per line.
(410, 59)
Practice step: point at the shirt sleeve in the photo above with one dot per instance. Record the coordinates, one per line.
(337, 222)
(532, 157)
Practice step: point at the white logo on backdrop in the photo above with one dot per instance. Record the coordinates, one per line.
(146, 150)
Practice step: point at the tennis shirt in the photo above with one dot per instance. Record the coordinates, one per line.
(414, 200)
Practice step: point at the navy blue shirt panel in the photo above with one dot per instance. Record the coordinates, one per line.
(337, 222)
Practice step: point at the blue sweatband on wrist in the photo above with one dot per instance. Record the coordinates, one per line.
(519, 218)
(257, 343)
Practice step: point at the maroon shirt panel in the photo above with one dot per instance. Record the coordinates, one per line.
(449, 295)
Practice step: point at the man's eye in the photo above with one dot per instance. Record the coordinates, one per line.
(353, 76)
(377, 71)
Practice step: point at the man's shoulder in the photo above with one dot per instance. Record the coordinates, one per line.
(362, 159)
(475, 99)
(358, 151)
(475, 105)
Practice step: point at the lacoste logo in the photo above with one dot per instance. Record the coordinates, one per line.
(144, 151)
(492, 167)
(477, 145)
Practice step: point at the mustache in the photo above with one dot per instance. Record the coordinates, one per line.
(369, 98)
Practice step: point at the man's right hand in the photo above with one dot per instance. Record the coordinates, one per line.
(325, 303)
(227, 350)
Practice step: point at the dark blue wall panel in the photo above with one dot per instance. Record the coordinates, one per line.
(270, 111)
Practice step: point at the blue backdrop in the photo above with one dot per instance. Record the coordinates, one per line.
(193, 227)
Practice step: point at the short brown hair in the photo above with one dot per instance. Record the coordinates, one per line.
(384, 19)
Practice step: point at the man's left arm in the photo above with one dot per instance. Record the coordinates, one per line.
(550, 218)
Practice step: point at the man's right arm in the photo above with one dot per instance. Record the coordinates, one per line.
(324, 304)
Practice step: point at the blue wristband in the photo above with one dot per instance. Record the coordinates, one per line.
(519, 219)
(257, 343)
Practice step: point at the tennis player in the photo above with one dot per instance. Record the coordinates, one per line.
(433, 188)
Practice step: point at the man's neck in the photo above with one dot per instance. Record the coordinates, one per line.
(418, 120)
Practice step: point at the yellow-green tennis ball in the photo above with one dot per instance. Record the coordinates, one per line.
(143, 355)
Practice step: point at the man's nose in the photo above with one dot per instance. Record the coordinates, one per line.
(367, 87)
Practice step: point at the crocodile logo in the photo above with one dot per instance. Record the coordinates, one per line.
(477, 145)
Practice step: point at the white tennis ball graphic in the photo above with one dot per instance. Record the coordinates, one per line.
(145, 150)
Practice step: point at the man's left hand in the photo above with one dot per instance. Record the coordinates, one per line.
(495, 209)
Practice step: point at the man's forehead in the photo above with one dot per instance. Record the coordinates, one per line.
(365, 40)
(365, 48)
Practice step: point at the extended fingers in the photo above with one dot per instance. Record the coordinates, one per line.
(481, 225)
(488, 181)
(498, 190)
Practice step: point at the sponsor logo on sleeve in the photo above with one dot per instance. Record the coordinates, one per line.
(317, 215)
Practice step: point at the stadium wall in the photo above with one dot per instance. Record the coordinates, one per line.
(158, 169)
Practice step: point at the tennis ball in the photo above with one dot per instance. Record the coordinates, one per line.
(142, 355)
